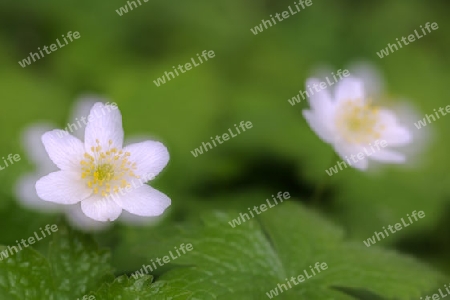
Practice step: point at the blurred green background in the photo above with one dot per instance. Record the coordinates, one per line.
(250, 79)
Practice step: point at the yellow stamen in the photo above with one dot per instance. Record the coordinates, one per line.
(106, 171)
(358, 122)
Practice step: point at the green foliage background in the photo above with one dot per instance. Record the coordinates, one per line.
(250, 79)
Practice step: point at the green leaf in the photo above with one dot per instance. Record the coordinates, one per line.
(124, 288)
(74, 266)
(25, 275)
(248, 261)
(244, 262)
(78, 266)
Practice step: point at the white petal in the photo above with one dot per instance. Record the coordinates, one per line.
(150, 158)
(394, 134)
(349, 154)
(370, 75)
(362, 164)
(387, 117)
(319, 126)
(350, 89)
(62, 187)
(100, 208)
(35, 150)
(388, 156)
(320, 101)
(143, 201)
(397, 136)
(138, 138)
(25, 191)
(65, 150)
(104, 124)
(80, 113)
(78, 219)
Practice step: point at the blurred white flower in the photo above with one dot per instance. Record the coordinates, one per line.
(350, 123)
(25, 185)
(97, 172)
(25, 189)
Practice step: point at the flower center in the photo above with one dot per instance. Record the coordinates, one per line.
(358, 122)
(107, 171)
(104, 172)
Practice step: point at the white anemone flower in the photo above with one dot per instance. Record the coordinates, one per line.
(97, 172)
(25, 189)
(351, 124)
